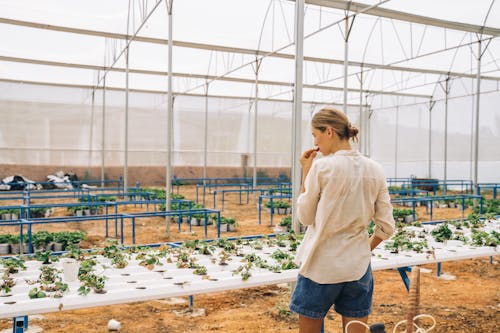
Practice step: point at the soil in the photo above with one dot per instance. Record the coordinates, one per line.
(469, 303)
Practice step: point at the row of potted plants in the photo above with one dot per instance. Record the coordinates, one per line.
(89, 205)
(9, 214)
(14, 213)
(198, 219)
(280, 207)
(42, 241)
(85, 210)
(402, 215)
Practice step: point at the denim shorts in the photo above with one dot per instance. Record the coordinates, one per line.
(351, 299)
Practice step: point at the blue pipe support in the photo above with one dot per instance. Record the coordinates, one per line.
(116, 228)
(30, 239)
(463, 208)
(205, 226)
(218, 225)
(107, 222)
(21, 241)
(20, 324)
(402, 272)
(133, 230)
(272, 209)
(260, 209)
(121, 230)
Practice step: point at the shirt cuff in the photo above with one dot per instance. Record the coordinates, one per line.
(380, 233)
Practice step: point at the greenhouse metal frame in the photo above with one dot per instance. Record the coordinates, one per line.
(232, 70)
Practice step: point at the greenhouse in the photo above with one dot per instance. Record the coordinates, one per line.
(180, 125)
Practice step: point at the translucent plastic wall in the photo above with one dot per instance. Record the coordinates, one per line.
(47, 125)
(404, 149)
(50, 125)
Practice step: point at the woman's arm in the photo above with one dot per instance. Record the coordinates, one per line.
(306, 162)
(307, 202)
(384, 221)
(374, 242)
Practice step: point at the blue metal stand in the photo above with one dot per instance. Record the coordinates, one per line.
(402, 271)
(20, 324)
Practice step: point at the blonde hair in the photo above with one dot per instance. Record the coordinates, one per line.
(337, 120)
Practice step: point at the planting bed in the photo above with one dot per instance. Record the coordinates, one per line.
(263, 309)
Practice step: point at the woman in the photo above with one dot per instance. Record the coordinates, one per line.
(341, 193)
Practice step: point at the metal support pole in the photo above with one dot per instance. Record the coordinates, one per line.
(91, 139)
(103, 134)
(249, 121)
(447, 91)
(248, 136)
(125, 139)
(369, 114)
(346, 60)
(125, 158)
(297, 110)
(205, 144)
(396, 143)
(429, 163)
(471, 147)
(476, 133)
(431, 106)
(361, 120)
(256, 108)
(170, 102)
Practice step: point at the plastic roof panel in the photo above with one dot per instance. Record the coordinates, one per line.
(253, 25)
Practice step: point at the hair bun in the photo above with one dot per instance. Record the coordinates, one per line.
(353, 131)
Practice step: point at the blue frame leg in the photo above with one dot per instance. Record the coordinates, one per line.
(20, 324)
(402, 271)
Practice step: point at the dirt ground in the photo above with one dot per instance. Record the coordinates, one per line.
(469, 303)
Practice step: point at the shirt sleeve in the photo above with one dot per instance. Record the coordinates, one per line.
(307, 202)
(384, 220)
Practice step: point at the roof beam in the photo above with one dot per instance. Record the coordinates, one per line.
(148, 91)
(220, 48)
(402, 16)
(209, 77)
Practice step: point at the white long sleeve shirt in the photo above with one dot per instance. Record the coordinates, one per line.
(343, 192)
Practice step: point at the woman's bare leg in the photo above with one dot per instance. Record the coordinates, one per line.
(309, 325)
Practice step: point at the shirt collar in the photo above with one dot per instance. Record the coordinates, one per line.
(351, 152)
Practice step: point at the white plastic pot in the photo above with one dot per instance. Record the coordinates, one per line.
(70, 268)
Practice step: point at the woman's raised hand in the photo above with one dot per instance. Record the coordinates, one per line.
(307, 158)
